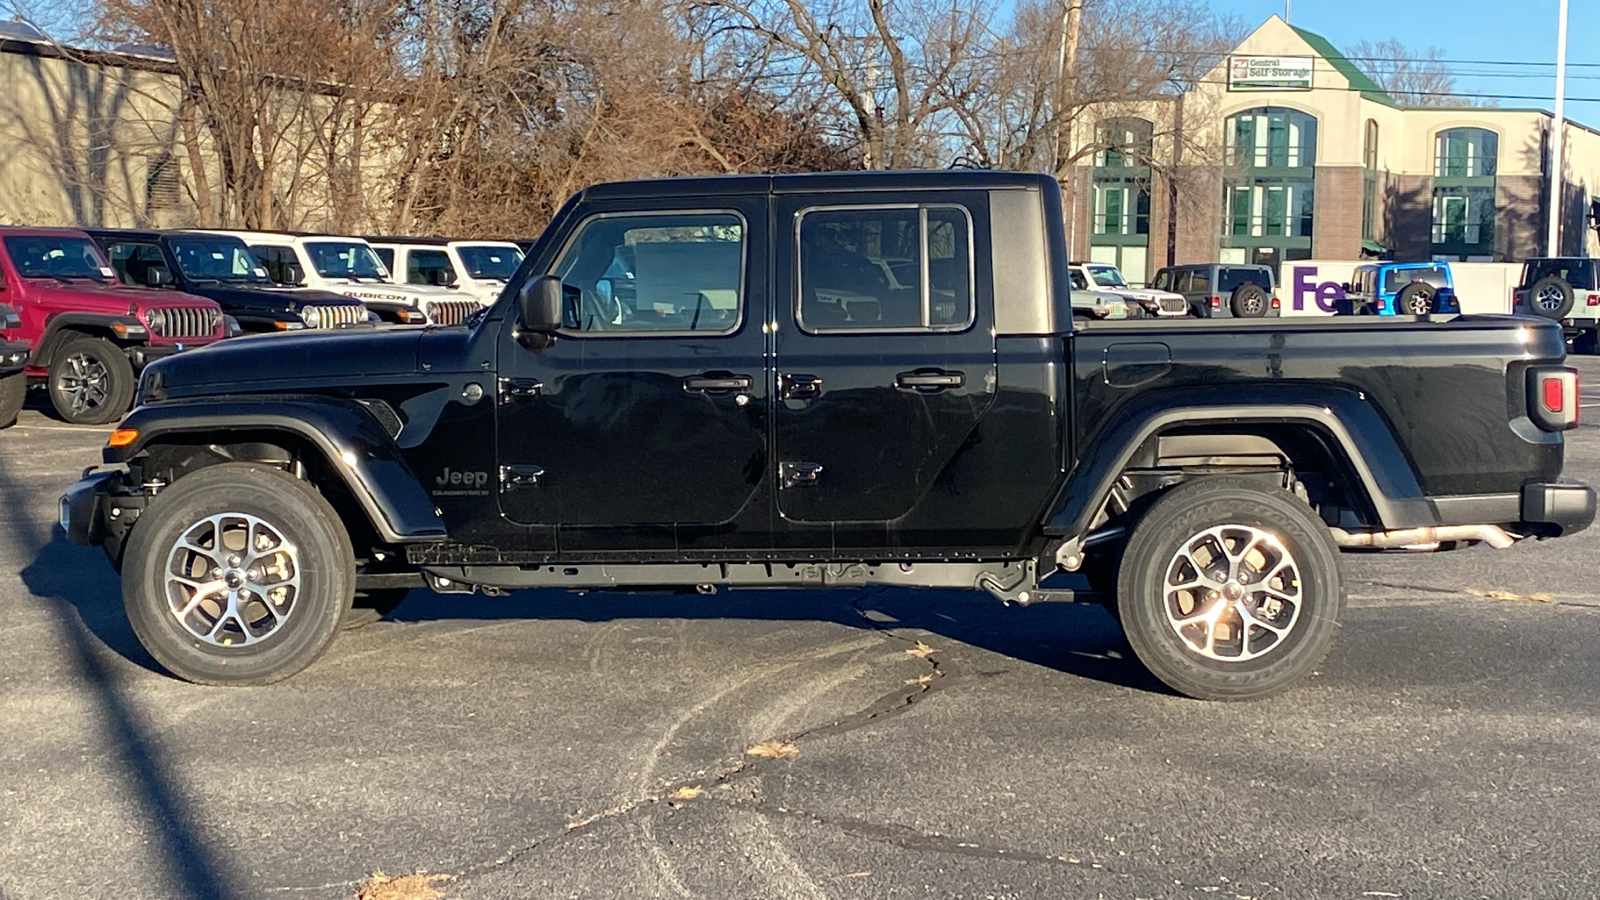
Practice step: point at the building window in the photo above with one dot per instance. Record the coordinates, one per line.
(1463, 219)
(1269, 208)
(1369, 152)
(1465, 153)
(1124, 143)
(1121, 208)
(1369, 209)
(1271, 137)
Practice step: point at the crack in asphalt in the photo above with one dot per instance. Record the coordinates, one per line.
(734, 770)
(1446, 592)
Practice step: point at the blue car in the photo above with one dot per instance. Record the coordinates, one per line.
(1400, 289)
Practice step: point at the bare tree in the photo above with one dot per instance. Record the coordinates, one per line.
(1413, 77)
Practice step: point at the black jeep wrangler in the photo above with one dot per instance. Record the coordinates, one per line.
(762, 407)
(220, 267)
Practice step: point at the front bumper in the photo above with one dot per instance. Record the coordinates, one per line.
(13, 357)
(85, 508)
(142, 355)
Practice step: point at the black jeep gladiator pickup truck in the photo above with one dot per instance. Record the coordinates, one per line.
(823, 380)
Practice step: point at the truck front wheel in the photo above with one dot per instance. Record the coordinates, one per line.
(237, 574)
(1228, 591)
(91, 382)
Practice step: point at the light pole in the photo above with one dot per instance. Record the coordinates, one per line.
(1553, 236)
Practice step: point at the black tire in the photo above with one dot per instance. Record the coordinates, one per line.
(1177, 537)
(91, 382)
(267, 648)
(371, 606)
(1551, 297)
(1249, 301)
(13, 391)
(1415, 299)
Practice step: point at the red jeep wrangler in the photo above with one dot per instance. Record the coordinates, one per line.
(88, 334)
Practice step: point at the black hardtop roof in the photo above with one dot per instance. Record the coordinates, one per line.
(151, 234)
(969, 179)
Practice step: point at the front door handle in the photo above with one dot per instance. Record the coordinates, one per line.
(800, 473)
(717, 381)
(929, 381)
(513, 477)
(800, 387)
(512, 389)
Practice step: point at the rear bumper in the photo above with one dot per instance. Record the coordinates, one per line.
(1560, 508)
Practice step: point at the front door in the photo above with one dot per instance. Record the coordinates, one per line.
(643, 426)
(885, 362)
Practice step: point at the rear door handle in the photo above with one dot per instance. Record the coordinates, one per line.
(929, 381)
(513, 477)
(717, 381)
(800, 387)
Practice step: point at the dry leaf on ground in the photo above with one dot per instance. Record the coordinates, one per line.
(772, 750)
(861, 874)
(687, 792)
(924, 678)
(1498, 594)
(417, 886)
(921, 650)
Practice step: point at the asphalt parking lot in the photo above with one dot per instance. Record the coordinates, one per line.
(553, 744)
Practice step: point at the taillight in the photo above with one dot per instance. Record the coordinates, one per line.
(1216, 302)
(1275, 303)
(1594, 300)
(1553, 404)
(1517, 297)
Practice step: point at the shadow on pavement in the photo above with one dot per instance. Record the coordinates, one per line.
(1079, 639)
(67, 579)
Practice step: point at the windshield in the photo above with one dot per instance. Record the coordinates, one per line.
(345, 259)
(217, 259)
(1107, 276)
(56, 256)
(489, 260)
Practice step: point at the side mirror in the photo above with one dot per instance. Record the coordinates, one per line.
(439, 277)
(293, 274)
(539, 304)
(157, 275)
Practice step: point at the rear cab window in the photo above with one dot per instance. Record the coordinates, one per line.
(888, 268)
(1396, 279)
(1580, 273)
(1230, 277)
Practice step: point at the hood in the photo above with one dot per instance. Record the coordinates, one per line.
(114, 298)
(303, 360)
(274, 299)
(410, 294)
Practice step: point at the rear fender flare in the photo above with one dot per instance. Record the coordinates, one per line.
(1343, 418)
(353, 443)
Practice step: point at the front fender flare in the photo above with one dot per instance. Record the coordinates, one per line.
(1343, 417)
(354, 443)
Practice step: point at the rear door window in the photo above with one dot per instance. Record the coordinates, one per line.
(1196, 281)
(900, 268)
(1580, 273)
(1396, 279)
(429, 267)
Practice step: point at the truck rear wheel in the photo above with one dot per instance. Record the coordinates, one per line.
(13, 391)
(237, 574)
(91, 382)
(1228, 591)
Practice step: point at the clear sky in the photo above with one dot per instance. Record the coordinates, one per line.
(1474, 34)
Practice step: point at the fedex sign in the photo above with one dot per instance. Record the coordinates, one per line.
(1314, 288)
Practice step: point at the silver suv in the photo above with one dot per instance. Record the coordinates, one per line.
(1223, 290)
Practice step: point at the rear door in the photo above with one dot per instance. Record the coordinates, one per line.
(643, 427)
(884, 347)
